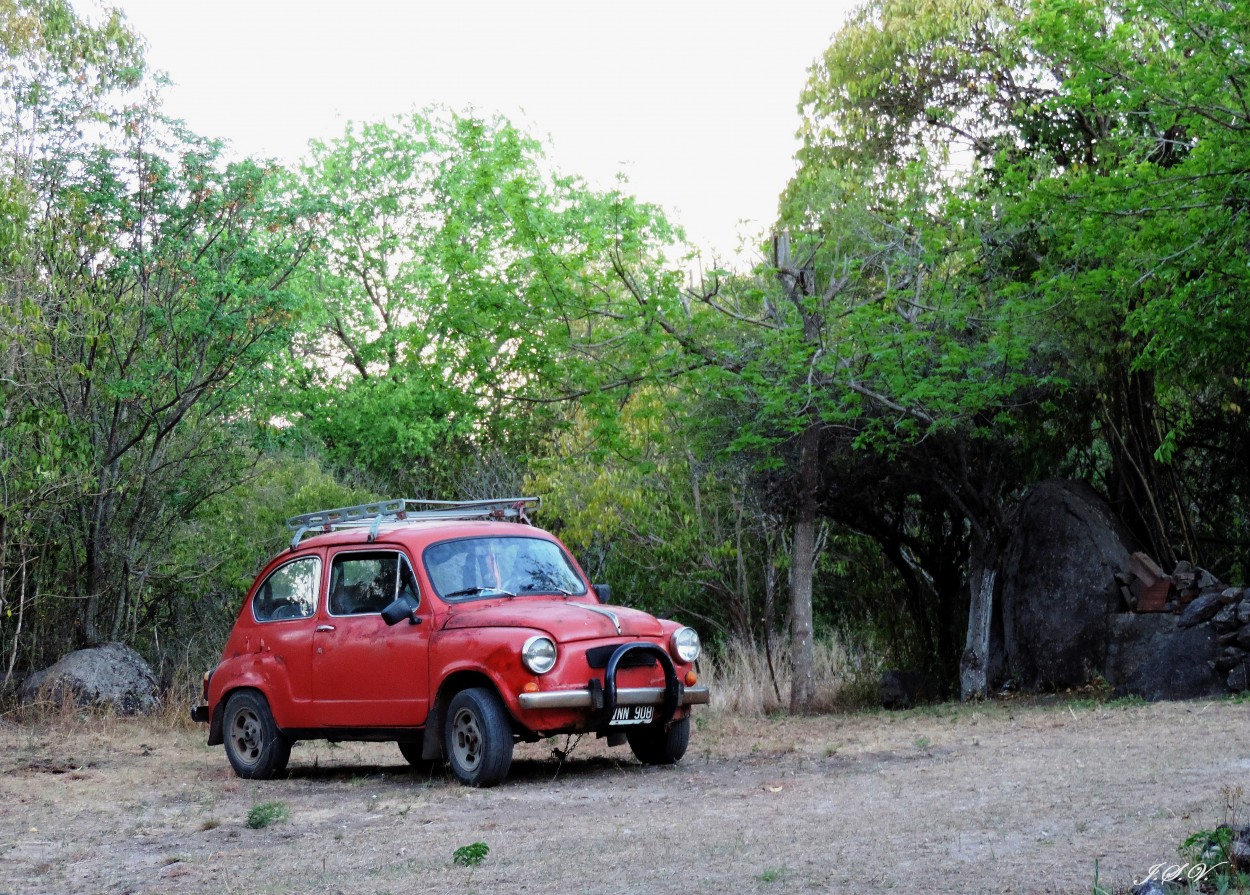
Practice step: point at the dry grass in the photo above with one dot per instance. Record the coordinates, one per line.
(744, 681)
(1001, 797)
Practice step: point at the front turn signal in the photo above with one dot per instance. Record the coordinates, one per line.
(691, 678)
(531, 687)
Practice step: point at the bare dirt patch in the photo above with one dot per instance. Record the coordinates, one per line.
(997, 798)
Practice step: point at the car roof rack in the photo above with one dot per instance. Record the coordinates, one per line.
(407, 509)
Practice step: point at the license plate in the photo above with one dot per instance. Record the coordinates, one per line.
(635, 714)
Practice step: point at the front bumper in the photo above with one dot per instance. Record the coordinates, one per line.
(584, 699)
(603, 697)
(199, 714)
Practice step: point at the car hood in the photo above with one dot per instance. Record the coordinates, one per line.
(566, 621)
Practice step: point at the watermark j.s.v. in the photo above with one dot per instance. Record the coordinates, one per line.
(1171, 873)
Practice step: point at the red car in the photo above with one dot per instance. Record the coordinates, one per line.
(454, 630)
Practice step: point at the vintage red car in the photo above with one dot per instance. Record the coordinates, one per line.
(454, 630)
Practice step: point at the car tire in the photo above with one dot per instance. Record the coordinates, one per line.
(477, 737)
(256, 748)
(660, 745)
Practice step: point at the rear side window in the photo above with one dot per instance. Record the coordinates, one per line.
(363, 583)
(289, 592)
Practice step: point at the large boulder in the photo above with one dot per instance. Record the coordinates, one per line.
(1153, 657)
(109, 676)
(1058, 585)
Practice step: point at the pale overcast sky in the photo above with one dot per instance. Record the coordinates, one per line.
(694, 101)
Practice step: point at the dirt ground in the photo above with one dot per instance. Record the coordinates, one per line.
(1004, 797)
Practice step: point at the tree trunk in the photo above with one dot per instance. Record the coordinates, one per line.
(803, 560)
(974, 665)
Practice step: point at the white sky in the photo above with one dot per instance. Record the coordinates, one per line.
(694, 101)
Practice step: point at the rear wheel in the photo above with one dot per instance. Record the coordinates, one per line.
(256, 748)
(660, 745)
(477, 737)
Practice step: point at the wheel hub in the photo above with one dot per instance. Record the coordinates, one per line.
(247, 735)
(466, 739)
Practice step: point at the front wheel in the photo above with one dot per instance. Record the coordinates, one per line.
(660, 745)
(477, 737)
(256, 748)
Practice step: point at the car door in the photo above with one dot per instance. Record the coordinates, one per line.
(283, 609)
(366, 674)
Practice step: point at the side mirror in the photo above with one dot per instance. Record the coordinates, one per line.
(404, 607)
(603, 592)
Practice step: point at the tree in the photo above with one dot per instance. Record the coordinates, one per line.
(464, 294)
(1146, 245)
(907, 116)
(144, 290)
(1081, 164)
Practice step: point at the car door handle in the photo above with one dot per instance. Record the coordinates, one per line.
(321, 628)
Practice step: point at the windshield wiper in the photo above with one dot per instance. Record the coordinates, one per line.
(545, 588)
(471, 591)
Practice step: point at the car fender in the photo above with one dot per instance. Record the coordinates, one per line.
(257, 671)
(490, 653)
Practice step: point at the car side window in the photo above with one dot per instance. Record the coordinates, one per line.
(363, 583)
(289, 592)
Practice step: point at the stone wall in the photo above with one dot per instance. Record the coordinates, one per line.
(1180, 635)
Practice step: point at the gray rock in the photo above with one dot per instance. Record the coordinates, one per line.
(1240, 851)
(1149, 887)
(1225, 619)
(1148, 656)
(1243, 612)
(1229, 657)
(1207, 581)
(1200, 610)
(1238, 679)
(1243, 637)
(905, 689)
(1231, 595)
(1059, 587)
(112, 675)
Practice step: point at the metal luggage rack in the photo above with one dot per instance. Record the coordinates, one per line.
(407, 509)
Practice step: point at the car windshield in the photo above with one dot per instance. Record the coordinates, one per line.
(469, 568)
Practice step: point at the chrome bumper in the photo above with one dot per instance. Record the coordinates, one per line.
(580, 699)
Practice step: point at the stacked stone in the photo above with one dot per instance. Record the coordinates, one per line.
(1227, 609)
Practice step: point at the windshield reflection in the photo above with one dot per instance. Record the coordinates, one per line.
(475, 568)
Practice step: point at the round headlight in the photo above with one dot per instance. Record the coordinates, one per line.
(685, 644)
(539, 654)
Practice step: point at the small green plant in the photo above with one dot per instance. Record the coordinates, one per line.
(922, 743)
(1208, 858)
(1098, 889)
(773, 874)
(261, 816)
(470, 855)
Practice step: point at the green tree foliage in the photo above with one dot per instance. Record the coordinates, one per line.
(460, 289)
(144, 289)
(1070, 178)
(1145, 246)
(934, 383)
(206, 568)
